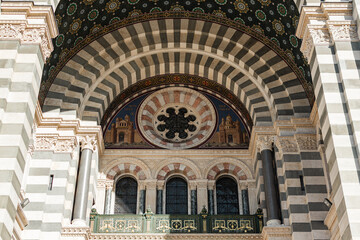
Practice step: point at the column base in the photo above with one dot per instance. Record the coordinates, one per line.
(273, 223)
(79, 223)
(279, 232)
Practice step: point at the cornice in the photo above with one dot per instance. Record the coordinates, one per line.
(57, 126)
(29, 23)
(325, 24)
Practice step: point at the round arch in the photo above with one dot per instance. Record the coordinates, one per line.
(131, 166)
(238, 170)
(179, 166)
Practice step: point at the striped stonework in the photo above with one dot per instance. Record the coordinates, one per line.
(126, 168)
(21, 64)
(221, 168)
(265, 84)
(332, 47)
(176, 168)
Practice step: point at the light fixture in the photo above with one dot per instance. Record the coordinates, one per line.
(327, 202)
(24, 202)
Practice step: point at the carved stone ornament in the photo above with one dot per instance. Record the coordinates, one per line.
(88, 142)
(109, 184)
(307, 142)
(344, 32)
(54, 143)
(101, 183)
(27, 36)
(286, 144)
(264, 143)
(320, 36)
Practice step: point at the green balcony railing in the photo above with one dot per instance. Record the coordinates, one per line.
(163, 223)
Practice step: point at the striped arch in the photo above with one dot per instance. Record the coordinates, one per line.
(261, 79)
(226, 167)
(126, 168)
(176, 168)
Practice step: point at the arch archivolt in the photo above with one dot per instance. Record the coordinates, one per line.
(180, 166)
(239, 62)
(128, 166)
(230, 166)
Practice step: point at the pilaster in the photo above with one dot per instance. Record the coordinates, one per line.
(331, 43)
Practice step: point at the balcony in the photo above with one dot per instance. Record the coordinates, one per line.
(150, 223)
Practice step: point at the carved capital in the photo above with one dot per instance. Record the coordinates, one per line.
(202, 183)
(101, 183)
(109, 184)
(88, 142)
(192, 185)
(286, 144)
(307, 142)
(30, 24)
(211, 184)
(265, 142)
(160, 184)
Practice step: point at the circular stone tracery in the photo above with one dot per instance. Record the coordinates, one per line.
(176, 118)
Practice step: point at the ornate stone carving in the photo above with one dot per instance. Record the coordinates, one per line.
(88, 142)
(30, 24)
(307, 142)
(286, 144)
(344, 32)
(265, 142)
(109, 184)
(319, 36)
(101, 183)
(54, 143)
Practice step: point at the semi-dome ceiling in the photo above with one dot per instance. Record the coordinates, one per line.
(90, 68)
(81, 21)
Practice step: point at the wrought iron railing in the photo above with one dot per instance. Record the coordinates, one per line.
(162, 223)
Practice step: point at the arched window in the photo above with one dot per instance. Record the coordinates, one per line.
(176, 196)
(227, 200)
(126, 196)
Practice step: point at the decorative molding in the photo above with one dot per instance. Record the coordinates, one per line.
(325, 24)
(265, 142)
(75, 231)
(56, 143)
(278, 232)
(286, 144)
(29, 23)
(163, 236)
(109, 184)
(192, 185)
(307, 141)
(160, 184)
(88, 142)
(101, 183)
(343, 31)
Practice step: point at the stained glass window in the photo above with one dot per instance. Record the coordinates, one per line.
(227, 200)
(126, 196)
(176, 196)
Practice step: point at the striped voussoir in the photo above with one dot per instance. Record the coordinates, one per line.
(226, 168)
(126, 168)
(176, 168)
(91, 80)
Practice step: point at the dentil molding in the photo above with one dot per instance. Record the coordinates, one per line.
(28, 23)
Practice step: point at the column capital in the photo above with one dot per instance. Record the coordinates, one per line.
(88, 142)
(202, 183)
(244, 186)
(192, 185)
(211, 184)
(265, 142)
(109, 184)
(151, 184)
(326, 24)
(160, 184)
(29, 23)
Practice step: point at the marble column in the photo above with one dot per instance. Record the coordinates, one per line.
(193, 198)
(211, 204)
(202, 197)
(88, 145)
(142, 196)
(109, 187)
(265, 146)
(160, 197)
(245, 200)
